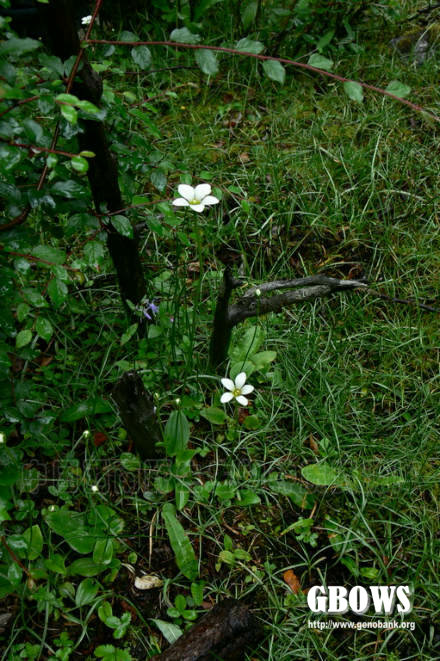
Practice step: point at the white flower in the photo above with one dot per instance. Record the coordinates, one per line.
(258, 292)
(195, 198)
(237, 390)
(2, 437)
(86, 20)
(94, 488)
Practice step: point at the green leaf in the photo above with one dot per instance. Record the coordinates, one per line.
(320, 62)
(22, 311)
(354, 91)
(248, 344)
(214, 415)
(142, 56)
(56, 563)
(92, 406)
(207, 61)
(70, 189)
(249, 46)
(57, 290)
(94, 252)
(176, 435)
(263, 358)
(49, 254)
(320, 474)
(103, 551)
(249, 13)
(145, 119)
(171, 632)
(44, 328)
(184, 36)
(86, 592)
(34, 297)
(88, 107)
(17, 47)
(69, 113)
(34, 540)
(247, 497)
(252, 422)
(86, 567)
(122, 225)
(181, 496)
(131, 330)
(73, 528)
(398, 89)
(297, 494)
(130, 462)
(183, 551)
(23, 338)
(275, 71)
(79, 164)
(71, 99)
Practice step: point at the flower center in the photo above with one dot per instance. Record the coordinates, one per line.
(194, 201)
(236, 392)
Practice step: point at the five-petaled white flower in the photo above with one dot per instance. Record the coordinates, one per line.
(86, 20)
(237, 390)
(195, 198)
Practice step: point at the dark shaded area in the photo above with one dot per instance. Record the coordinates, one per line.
(224, 634)
(138, 413)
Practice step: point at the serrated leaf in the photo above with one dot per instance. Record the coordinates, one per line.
(23, 338)
(184, 36)
(275, 71)
(320, 62)
(141, 56)
(398, 89)
(183, 551)
(44, 328)
(249, 46)
(354, 91)
(122, 225)
(207, 61)
(320, 474)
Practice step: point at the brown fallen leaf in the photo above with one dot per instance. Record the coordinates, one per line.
(292, 581)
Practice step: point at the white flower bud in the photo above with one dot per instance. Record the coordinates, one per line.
(94, 488)
(258, 292)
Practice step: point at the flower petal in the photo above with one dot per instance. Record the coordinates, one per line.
(240, 380)
(186, 191)
(201, 191)
(210, 199)
(181, 202)
(246, 390)
(228, 384)
(226, 397)
(197, 207)
(242, 400)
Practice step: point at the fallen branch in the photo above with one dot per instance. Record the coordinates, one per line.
(223, 633)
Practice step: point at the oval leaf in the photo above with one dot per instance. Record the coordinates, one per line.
(275, 71)
(354, 91)
(319, 474)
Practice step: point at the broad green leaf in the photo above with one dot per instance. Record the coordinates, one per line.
(158, 179)
(56, 563)
(398, 89)
(176, 435)
(354, 91)
(57, 290)
(130, 462)
(263, 358)
(86, 567)
(17, 47)
(183, 551)
(122, 225)
(88, 107)
(94, 252)
(320, 474)
(92, 406)
(248, 343)
(297, 494)
(49, 254)
(275, 71)
(79, 164)
(131, 330)
(181, 496)
(252, 422)
(34, 297)
(171, 632)
(249, 46)
(23, 338)
(44, 328)
(70, 189)
(248, 13)
(142, 56)
(73, 528)
(207, 61)
(320, 62)
(86, 592)
(103, 551)
(184, 36)
(34, 540)
(67, 98)
(69, 113)
(214, 415)
(246, 497)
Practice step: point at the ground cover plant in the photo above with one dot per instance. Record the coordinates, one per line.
(310, 454)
